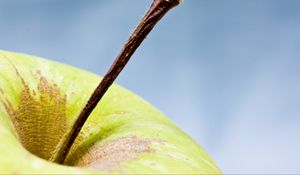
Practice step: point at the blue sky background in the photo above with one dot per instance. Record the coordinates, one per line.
(226, 72)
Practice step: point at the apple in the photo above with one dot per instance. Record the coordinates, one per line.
(124, 133)
(49, 122)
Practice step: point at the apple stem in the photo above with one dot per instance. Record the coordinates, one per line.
(157, 10)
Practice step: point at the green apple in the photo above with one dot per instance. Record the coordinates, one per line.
(39, 100)
(49, 123)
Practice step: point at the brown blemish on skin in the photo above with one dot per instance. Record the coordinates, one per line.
(40, 116)
(119, 113)
(153, 164)
(111, 154)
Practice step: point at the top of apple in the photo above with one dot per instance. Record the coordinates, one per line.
(125, 134)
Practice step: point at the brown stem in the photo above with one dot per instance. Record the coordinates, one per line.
(157, 10)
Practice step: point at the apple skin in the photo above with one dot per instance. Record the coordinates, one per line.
(124, 133)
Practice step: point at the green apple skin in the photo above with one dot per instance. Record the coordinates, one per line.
(124, 134)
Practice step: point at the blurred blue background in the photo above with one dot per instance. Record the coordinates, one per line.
(226, 72)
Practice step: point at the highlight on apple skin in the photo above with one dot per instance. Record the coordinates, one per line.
(124, 134)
